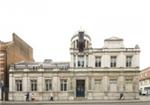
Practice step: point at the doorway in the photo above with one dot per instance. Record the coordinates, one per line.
(80, 88)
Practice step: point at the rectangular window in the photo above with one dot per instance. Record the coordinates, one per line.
(48, 84)
(97, 61)
(33, 85)
(128, 85)
(113, 61)
(80, 61)
(113, 85)
(128, 61)
(63, 85)
(98, 86)
(18, 85)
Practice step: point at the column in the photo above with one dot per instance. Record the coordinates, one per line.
(25, 83)
(105, 60)
(76, 60)
(135, 60)
(84, 60)
(91, 61)
(10, 82)
(105, 86)
(121, 84)
(121, 60)
(11, 88)
(40, 83)
(72, 61)
(105, 83)
(136, 86)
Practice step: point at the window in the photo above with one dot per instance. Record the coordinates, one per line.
(63, 85)
(48, 84)
(97, 61)
(128, 81)
(33, 85)
(128, 61)
(18, 85)
(113, 61)
(128, 85)
(81, 61)
(98, 86)
(113, 85)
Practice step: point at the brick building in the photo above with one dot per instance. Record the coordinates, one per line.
(10, 53)
(144, 81)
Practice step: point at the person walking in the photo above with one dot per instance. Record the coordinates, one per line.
(51, 96)
(27, 96)
(121, 95)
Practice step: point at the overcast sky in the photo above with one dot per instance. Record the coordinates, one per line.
(48, 25)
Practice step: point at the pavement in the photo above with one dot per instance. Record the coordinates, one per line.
(142, 99)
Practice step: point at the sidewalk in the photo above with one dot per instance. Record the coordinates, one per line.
(81, 102)
(142, 99)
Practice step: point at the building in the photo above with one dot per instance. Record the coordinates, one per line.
(92, 73)
(144, 81)
(10, 53)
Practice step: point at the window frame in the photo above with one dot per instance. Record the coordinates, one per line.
(19, 85)
(33, 84)
(48, 84)
(63, 85)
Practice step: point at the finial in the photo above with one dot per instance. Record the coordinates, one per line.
(81, 29)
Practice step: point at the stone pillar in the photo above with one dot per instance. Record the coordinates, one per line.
(105, 86)
(121, 60)
(56, 86)
(72, 61)
(84, 60)
(10, 82)
(121, 84)
(40, 83)
(91, 60)
(76, 60)
(136, 87)
(105, 60)
(135, 60)
(25, 83)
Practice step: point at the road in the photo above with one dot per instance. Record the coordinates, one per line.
(106, 103)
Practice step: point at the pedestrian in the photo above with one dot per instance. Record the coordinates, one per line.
(27, 96)
(51, 97)
(121, 95)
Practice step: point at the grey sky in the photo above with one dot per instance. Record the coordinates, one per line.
(48, 25)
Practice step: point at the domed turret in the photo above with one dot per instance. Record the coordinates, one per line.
(81, 41)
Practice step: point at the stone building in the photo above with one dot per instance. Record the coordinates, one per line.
(144, 81)
(10, 53)
(92, 73)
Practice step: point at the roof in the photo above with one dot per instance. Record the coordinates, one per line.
(114, 39)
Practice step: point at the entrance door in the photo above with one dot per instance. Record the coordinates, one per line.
(80, 88)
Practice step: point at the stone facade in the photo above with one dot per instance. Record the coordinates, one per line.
(10, 53)
(92, 73)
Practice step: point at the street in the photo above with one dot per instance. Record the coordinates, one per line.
(76, 103)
